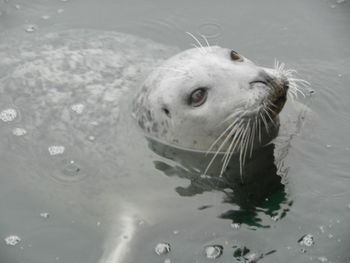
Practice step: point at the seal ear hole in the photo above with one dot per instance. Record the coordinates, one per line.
(166, 111)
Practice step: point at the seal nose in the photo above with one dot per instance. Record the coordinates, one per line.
(274, 81)
(262, 77)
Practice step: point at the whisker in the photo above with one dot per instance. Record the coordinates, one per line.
(206, 41)
(200, 46)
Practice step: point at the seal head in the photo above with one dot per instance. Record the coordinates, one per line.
(211, 99)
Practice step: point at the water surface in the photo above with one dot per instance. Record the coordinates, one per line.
(106, 169)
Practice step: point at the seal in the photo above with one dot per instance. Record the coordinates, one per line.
(212, 99)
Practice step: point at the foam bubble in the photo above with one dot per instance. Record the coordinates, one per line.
(306, 240)
(30, 28)
(19, 132)
(162, 248)
(8, 115)
(12, 240)
(56, 149)
(78, 108)
(213, 252)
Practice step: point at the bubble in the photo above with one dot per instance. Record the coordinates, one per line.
(175, 232)
(45, 17)
(322, 229)
(306, 240)
(91, 138)
(235, 226)
(275, 218)
(17, 6)
(162, 248)
(340, 1)
(213, 252)
(12, 240)
(30, 28)
(8, 115)
(167, 260)
(56, 149)
(19, 132)
(322, 259)
(45, 215)
(60, 11)
(78, 108)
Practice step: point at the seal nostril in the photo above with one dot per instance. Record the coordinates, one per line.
(166, 111)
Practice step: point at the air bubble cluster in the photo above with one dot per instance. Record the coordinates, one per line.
(306, 240)
(12, 240)
(162, 248)
(56, 149)
(8, 115)
(213, 252)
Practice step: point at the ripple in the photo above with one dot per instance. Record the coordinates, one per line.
(12, 240)
(70, 171)
(8, 115)
(162, 248)
(214, 251)
(210, 30)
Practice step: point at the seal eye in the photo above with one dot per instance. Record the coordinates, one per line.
(198, 97)
(234, 56)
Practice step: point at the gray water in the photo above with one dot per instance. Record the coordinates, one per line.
(107, 177)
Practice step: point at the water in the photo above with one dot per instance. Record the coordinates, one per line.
(106, 187)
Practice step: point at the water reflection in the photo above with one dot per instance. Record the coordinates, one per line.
(258, 191)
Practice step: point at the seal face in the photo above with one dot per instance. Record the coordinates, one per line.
(211, 99)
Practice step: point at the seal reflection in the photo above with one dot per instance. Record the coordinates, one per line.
(259, 189)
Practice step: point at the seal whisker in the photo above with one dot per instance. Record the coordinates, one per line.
(246, 141)
(252, 139)
(269, 116)
(233, 129)
(265, 122)
(217, 152)
(222, 134)
(200, 46)
(231, 149)
(241, 153)
(206, 41)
